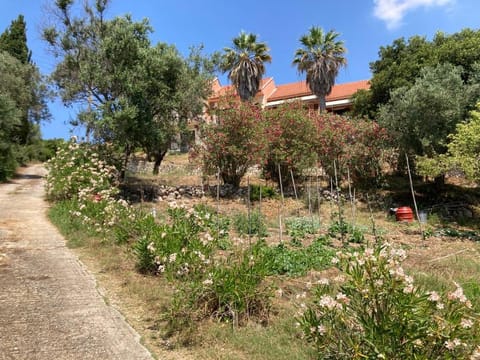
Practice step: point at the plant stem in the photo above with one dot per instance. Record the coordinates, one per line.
(414, 199)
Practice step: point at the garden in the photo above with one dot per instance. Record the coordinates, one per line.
(314, 267)
(276, 236)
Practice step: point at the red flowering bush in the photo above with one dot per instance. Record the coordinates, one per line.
(234, 142)
(354, 144)
(291, 140)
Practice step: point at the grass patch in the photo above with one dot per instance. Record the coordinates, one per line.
(274, 342)
(69, 227)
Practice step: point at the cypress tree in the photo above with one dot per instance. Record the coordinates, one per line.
(14, 40)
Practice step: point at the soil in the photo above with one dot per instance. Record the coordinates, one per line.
(50, 305)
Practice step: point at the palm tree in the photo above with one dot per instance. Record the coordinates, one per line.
(245, 64)
(320, 57)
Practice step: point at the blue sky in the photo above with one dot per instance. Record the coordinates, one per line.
(364, 25)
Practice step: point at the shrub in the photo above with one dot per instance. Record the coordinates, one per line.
(377, 312)
(268, 192)
(300, 227)
(253, 225)
(356, 144)
(346, 231)
(463, 150)
(77, 171)
(234, 142)
(282, 260)
(232, 290)
(182, 247)
(290, 130)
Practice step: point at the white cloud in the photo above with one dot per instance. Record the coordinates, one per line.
(393, 11)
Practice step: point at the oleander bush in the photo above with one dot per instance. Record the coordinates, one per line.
(253, 224)
(182, 246)
(233, 290)
(375, 311)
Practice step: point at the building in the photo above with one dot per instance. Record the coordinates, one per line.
(270, 94)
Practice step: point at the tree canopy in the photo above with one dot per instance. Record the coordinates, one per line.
(14, 40)
(23, 98)
(463, 151)
(401, 63)
(320, 57)
(132, 93)
(421, 117)
(245, 64)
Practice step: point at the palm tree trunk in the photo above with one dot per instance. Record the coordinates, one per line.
(322, 104)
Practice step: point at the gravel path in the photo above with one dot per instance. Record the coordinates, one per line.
(50, 307)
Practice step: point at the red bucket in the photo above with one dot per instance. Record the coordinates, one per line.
(404, 213)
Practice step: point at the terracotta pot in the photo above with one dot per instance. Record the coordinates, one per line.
(404, 213)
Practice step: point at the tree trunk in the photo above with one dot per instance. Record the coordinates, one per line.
(125, 162)
(322, 104)
(158, 161)
(439, 182)
(231, 179)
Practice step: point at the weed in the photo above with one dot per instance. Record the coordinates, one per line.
(268, 192)
(300, 227)
(282, 260)
(352, 233)
(253, 225)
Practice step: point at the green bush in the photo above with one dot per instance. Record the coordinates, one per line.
(377, 312)
(79, 173)
(253, 225)
(282, 260)
(181, 247)
(300, 227)
(8, 164)
(233, 290)
(268, 192)
(346, 231)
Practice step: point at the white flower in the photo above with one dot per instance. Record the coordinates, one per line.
(434, 297)
(458, 295)
(417, 342)
(151, 247)
(342, 298)
(279, 293)
(476, 354)
(207, 282)
(323, 281)
(335, 261)
(172, 257)
(302, 295)
(466, 323)
(328, 302)
(452, 344)
(321, 329)
(369, 252)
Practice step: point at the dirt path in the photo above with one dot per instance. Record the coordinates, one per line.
(49, 305)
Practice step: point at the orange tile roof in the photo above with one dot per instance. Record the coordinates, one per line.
(219, 90)
(293, 90)
(299, 89)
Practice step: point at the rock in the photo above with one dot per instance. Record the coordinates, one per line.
(467, 213)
